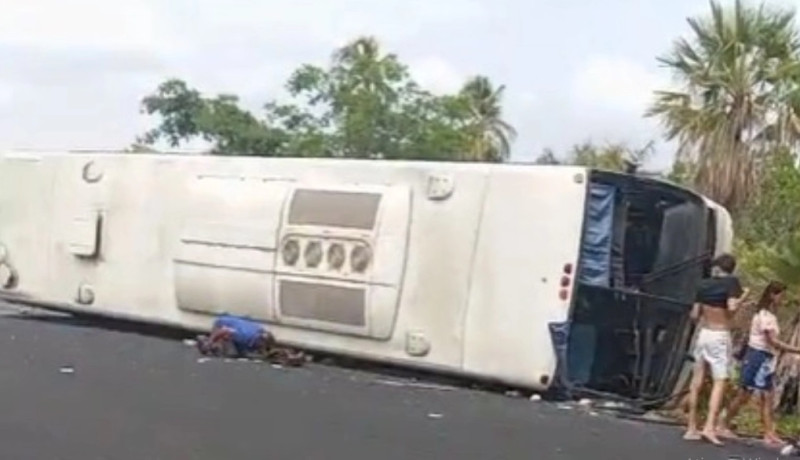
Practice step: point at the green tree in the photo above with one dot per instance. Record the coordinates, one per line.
(186, 115)
(490, 136)
(615, 156)
(364, 104)
(738, 96)
(548, 157)
(774, 212)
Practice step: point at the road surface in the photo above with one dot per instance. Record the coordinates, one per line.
(81, 393)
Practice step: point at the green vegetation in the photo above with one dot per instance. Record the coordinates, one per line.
(363, 105)
(734, 115)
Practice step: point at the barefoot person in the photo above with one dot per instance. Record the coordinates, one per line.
(758, 365)
(717, 299)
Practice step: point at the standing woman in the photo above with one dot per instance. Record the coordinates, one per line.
(758, 365)
(717, 299)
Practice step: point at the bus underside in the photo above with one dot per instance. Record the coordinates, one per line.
(644, 248)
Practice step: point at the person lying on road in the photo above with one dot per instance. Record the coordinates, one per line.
(242, 337)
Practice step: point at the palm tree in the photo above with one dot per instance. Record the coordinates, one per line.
(490, 135)
(738, 97)
(363, 68)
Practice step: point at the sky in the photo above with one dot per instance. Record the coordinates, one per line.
(74, 72)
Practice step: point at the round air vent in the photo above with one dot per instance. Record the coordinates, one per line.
(313, 254)
(360, 258)
(290, 252)
(336, 256)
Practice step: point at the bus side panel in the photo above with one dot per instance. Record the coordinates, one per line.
(123, 212)
(25, 220)
(146, 206)
(531, 227)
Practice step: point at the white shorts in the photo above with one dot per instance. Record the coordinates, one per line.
(715, 348)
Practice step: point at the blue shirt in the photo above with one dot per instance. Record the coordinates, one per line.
(245, 331)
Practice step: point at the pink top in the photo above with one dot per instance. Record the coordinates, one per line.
(764, 321)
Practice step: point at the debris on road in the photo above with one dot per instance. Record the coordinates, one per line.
(612, 405)
(67, 370)
(513, 394)
(203, 360)
(536, 397)
(435, 415)
(190, 342)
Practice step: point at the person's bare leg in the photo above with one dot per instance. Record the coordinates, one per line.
(715, 403)
(767, 419)
(698, 374)
(723, 428)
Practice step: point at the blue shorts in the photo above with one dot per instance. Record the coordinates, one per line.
(757, 371)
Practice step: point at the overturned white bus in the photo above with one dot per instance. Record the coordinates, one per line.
(531, 276)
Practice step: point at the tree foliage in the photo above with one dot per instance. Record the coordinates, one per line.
(739, 96)
(615, 156)
(773, 213)
(364, 104)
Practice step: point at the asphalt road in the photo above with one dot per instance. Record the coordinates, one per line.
(137, 397)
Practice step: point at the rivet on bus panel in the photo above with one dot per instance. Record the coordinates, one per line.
(578, 178)
(85, 294)
(563, 294)
(91, 172)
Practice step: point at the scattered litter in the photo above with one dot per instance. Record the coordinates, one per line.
(585, 402)
(536, 397)
(229, 360)
(190, 342)
(277, 366)
(593, 413)
(435, 415)
(564, 406)
(789, 449)
(203, 360)
(67, 370)
(513, 394)
(612, 405)
(243, 360)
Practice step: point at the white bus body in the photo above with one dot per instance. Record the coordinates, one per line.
(449, 267)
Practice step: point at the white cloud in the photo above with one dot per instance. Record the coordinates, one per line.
(436, 74)
(74, 71)
(615, 84)
(78, 24)
(6, 94)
